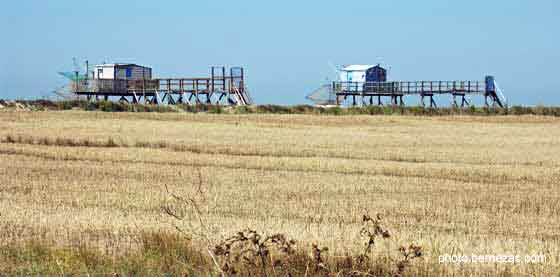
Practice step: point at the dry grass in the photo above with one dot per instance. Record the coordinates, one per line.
(454, 185)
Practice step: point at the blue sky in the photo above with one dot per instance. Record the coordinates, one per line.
(286, 46)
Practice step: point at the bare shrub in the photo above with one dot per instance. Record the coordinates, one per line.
(249, 248)
(191, 204)
(408, 254)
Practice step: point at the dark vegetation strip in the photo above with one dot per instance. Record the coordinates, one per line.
(109, 106)
(110, 142)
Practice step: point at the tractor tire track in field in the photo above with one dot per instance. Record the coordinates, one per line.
(112, 143)
(484, 178)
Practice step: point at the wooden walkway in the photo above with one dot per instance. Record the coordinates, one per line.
(396, 90)
(217, 89)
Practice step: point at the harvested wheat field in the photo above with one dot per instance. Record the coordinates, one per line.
(94, 192)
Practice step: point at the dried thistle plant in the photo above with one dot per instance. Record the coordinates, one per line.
(317, 253)
(372, 229)
(408, 254)
(248, 249)
(251, 248)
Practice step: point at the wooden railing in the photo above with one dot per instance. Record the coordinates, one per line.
(170, 85)
(410, 87)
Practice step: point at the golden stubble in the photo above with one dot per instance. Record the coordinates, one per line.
(455, 185)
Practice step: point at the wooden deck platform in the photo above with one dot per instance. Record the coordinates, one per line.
(396, 90)
(216, 89)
